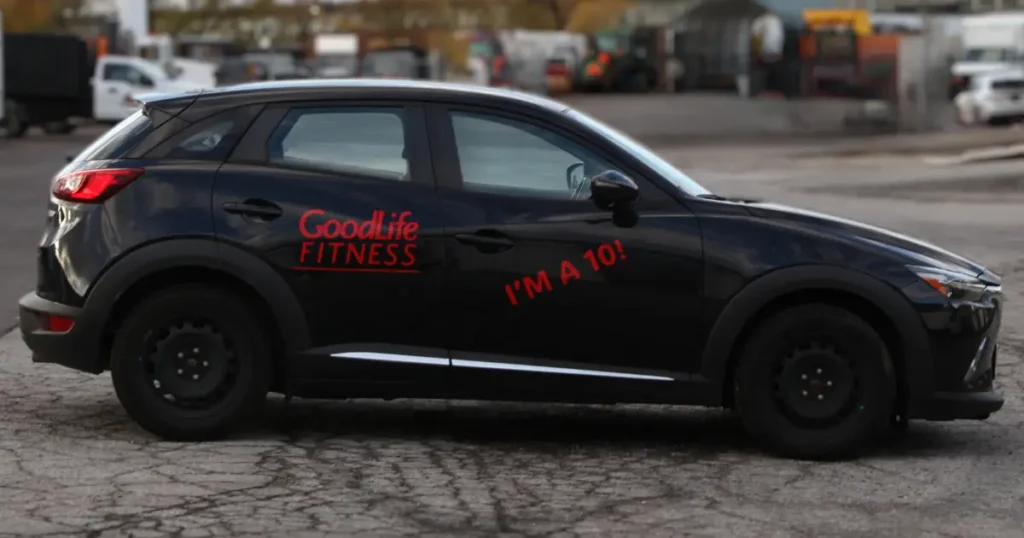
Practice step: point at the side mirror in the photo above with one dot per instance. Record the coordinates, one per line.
(574, 176)
(613, 190)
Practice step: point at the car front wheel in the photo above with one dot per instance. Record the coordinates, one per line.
(190, 363)
(815, 382)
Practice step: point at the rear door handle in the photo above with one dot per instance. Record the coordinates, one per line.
(260, 209)
(486, 240)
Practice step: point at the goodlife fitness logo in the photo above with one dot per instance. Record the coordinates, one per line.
(386, 243)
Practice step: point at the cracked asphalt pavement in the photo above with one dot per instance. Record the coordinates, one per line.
(72, 464)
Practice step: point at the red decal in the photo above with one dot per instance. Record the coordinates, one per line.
(569, 271)
(533, 287)
(605, 255)
(377, 244)
(511, 295)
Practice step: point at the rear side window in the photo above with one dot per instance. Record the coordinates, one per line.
(355, 140)
(205, 143)
(210, 139)
(119, 140)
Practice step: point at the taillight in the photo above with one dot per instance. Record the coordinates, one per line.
(94, 186)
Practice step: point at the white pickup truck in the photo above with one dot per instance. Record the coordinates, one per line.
(118, 79)
(52, 81)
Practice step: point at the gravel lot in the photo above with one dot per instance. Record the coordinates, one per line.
(72, 464)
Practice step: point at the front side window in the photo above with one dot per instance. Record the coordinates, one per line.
(512, 157)
(355, 140)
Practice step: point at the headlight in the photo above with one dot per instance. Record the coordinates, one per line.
(954, 285)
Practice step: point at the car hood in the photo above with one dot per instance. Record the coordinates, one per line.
(913, 251)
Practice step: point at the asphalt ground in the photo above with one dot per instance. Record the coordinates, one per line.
(72, 464)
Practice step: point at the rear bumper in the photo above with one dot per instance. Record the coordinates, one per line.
(78, 349)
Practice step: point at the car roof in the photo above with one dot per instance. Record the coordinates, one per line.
(311, 89)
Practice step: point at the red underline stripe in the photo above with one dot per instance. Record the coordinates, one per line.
(357, 270)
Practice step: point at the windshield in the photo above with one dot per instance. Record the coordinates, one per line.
(643, 153)
(988, 55)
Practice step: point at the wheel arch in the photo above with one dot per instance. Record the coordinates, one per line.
(181, 261)
(876, 302)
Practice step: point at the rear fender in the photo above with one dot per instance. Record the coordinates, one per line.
(248, 268)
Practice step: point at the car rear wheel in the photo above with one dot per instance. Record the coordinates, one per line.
(816, 382)
(190, 363)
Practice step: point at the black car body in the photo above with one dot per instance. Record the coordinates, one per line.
(398, 239)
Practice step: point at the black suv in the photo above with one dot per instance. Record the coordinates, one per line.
(390, 239)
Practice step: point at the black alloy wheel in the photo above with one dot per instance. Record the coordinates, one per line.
(191, 363)
(815, 381)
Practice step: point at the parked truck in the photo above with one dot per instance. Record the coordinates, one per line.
(55, 82)
(44, 81)
(990, 42)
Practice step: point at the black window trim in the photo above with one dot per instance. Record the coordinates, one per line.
(252, 148)
(449, 170)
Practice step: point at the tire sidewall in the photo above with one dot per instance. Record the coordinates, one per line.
(852, 337)
(231, 317)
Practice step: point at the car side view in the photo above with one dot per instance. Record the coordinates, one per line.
(397, 239)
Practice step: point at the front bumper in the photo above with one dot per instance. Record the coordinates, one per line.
(963, 339)
(961, 406)
(78, 348)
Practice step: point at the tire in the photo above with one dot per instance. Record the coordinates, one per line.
(780, 407)
(58, 128)
(15, 120)
(154, 343)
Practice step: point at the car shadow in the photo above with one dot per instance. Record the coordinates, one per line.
(499, 423)
(539, 428)
(554, 427)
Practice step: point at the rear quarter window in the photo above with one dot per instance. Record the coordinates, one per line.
(119, 139)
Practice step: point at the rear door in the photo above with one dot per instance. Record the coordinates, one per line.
(339, 198)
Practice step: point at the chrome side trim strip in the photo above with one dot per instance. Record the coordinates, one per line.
(391, 357)
(553, 370)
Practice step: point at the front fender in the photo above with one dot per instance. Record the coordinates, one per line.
(918, 370)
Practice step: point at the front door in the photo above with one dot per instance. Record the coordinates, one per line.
(339, 198)
(545, 286)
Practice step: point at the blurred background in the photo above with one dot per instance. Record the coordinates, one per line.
(737, 67)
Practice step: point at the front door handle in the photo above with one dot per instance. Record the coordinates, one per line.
(259, 209)
(486, 240)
